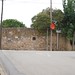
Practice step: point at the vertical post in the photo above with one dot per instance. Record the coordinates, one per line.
(73, 45)
(1, 24)
(47, 39)
(58, 32)
(74, 40)
(57, 41)
(51, 22)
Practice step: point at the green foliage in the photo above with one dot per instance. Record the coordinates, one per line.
(57, 17)
(68, 22)
(42, 20)
(12, 23)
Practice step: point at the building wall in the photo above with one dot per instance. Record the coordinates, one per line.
(30, 39)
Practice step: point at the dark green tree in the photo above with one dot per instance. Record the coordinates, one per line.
(57, 17)
(68, 22)
(12, 23)
(42, 20)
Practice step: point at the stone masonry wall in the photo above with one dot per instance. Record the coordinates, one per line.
(29, 39)
(22, 38)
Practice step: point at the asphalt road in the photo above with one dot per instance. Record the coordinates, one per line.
(38, 62)
(10, 69)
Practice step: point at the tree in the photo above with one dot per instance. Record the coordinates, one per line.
(12, 23)
(68, 22)
(42, 20)
(57, 17)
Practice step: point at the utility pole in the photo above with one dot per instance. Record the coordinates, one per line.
(51, 23)
(1, 24)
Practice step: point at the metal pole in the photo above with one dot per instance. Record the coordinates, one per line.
(57, 41)
(47, 39)
(1, 25)
(73, 45)
(74, 40)
(51, 22)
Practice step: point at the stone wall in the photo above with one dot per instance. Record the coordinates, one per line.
(30, 39)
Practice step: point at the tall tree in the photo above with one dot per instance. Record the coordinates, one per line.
(12, 23)
(68, 21)
(42, 20)
(57, 17)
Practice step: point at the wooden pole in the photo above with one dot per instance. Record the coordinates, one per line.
(1, 24)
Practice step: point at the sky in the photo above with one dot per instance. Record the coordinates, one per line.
(24, 10)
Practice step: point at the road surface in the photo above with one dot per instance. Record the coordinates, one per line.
(8, 65)
(38, 62)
